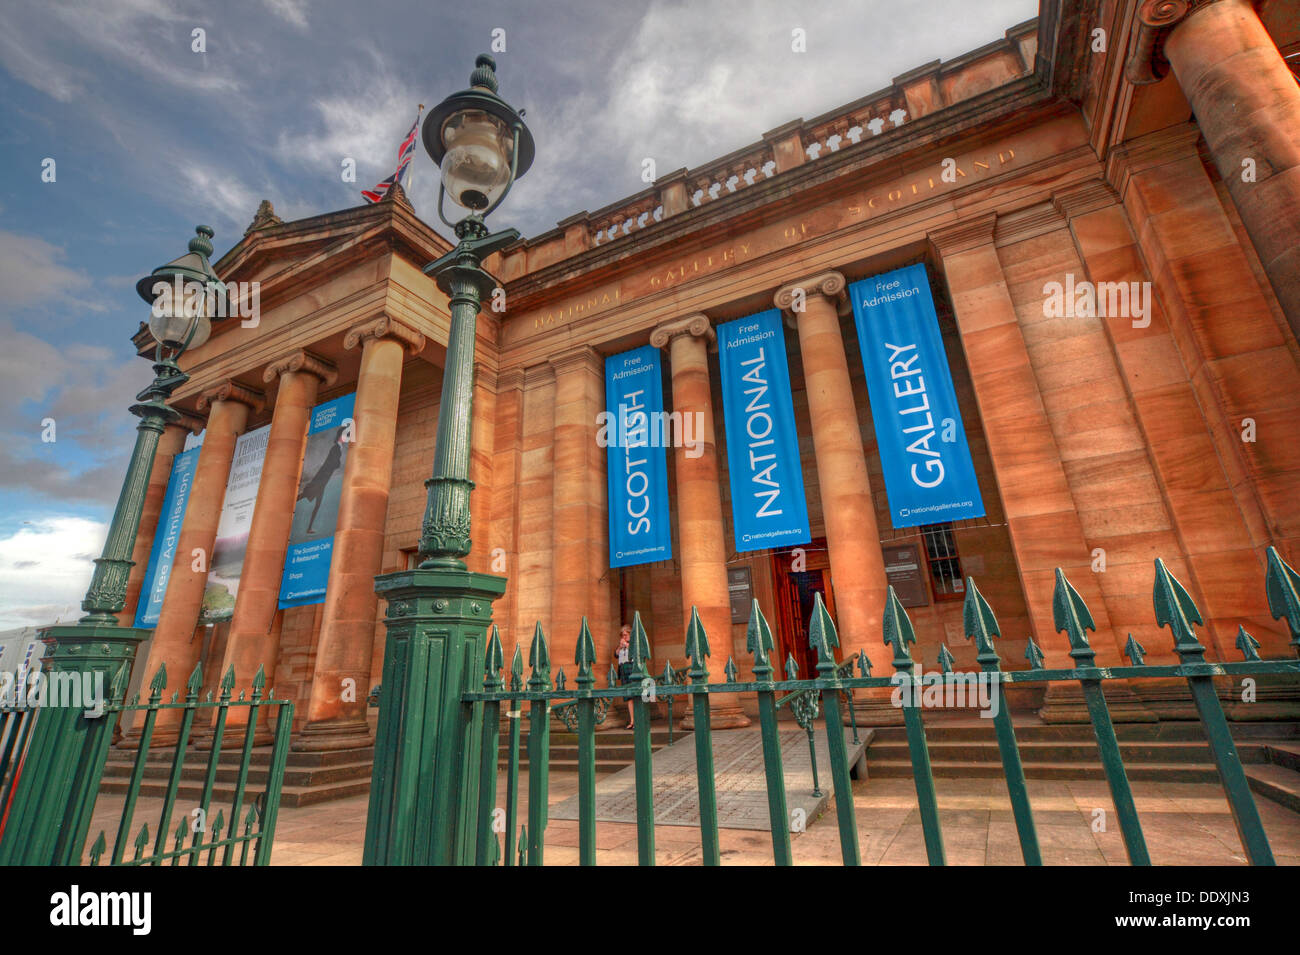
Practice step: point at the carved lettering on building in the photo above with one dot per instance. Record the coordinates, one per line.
(584, 306)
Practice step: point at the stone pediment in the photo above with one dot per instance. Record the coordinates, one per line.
(287, 258)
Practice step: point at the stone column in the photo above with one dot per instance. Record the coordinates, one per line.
(253, 641)
(175, 643)
(701, 533)
(347, 630)
(580, 564)
(848, 509)
(170, 443)
(1247, 105)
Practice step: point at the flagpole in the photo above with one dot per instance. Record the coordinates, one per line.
(410, 173)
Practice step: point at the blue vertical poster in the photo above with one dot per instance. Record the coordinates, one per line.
(166, 537)
(311, 538)
(929, 475)
(634, 430)
(768, 507)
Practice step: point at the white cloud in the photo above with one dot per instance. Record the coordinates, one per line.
(293, 12)
(45, 568)
(32, 272)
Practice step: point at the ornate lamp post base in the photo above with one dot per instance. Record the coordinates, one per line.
(424, 791)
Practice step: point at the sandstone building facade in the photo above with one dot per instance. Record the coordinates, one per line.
(1099, 442)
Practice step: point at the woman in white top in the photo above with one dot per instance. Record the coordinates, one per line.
(625, 665)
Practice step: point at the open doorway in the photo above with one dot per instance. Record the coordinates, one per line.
(799, 574)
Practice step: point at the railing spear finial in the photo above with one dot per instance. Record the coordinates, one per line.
(980, 624)
(1247, 644)
(898, 631)
(1282, 584)
(822, 637)
(539, 660)
(758, 641)
(493, 662)
(1070, 614)
(1176, 610)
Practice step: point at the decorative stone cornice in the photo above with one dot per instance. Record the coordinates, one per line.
(231, 390)
(583, 356)
(697, 325)
(1027, 223)
(964, 236)
(829, 284)
(1085, 197)
(384, 327)
(1155, 149)
(302, 360)
(510, 379)
(1155, 20)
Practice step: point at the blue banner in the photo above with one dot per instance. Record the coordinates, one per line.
(929, 475)
(311, 538)
(635, 430)
(159, 571)
(768, 508)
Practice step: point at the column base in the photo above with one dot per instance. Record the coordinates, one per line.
(722, 716)
(1064, 703)
(327, 735)
(875, 707)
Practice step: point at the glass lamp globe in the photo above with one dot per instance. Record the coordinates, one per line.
(476, 166)
(170, 320)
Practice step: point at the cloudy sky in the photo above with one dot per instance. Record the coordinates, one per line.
(149, 137)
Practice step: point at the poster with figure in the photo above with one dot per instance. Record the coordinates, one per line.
(315, 515)
(226, 562)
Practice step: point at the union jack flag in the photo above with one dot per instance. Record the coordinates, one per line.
(405, 153)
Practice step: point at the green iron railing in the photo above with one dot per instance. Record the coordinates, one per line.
(77, 742)
(830, 692)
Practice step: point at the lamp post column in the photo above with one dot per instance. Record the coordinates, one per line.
(49, 814)
(436, 619)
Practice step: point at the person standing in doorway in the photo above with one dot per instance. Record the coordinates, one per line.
(625, 666)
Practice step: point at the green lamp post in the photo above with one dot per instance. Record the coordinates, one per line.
(427, 741)
(54, 796)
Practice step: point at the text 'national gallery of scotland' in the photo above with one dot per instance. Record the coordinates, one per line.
(1032, 308)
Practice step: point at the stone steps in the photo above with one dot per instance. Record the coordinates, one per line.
(1159, 752)
(1279, 778)
(309, 778)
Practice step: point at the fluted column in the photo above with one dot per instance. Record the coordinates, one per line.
(848, 509)
(702, 551)
(175, 643)
(254, 641)
(170, 443)
(336, 711)
(1247, 105)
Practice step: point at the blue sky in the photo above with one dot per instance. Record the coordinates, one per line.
(150, 137)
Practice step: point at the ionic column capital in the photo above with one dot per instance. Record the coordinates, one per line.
(1155, 19)
(964, 236)
(697, 326)
(830, 285)
(384, 327)
(194, 424)
(302, 360)
(231, 390)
